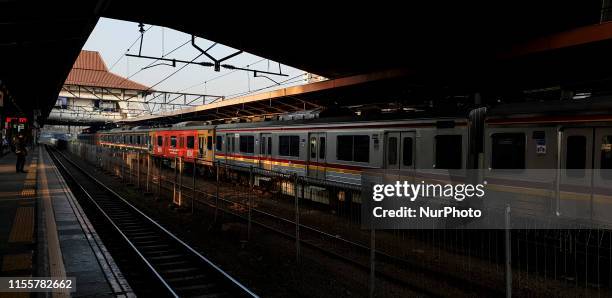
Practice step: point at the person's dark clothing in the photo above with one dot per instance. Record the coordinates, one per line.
(21, 152)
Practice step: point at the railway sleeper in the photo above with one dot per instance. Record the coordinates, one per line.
(159, 252)
(215, 295)
(188, 279)
(145, 247)
(168, 273)
(167, 257)
(170, 265)
(138, 238)
(198, 289)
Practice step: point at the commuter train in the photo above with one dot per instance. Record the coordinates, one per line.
(571, 143)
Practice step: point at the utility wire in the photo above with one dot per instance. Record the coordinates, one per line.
(129, 48)
(219, 76)
(168, 76)
(281, 83)
(176, 71)
(175, 49)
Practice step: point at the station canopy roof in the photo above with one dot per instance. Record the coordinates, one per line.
(90, 70)
(472, 45)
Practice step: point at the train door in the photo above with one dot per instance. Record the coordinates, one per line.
(576, 164)
(265, 151)
(317, 154)
(602, 177)
(400, 153)
(159, 144)
(230, 146)
(201, 145)
(190, 146)
(586, 174)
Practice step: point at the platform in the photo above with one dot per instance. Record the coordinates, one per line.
(45, 233)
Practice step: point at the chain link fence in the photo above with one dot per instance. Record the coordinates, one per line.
(323, 220)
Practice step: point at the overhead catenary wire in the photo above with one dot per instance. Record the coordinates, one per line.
(129, 48)
(166, 77)
(220, 76)
(285, 82)
(150, 64)
(281, 83)
(173, 73)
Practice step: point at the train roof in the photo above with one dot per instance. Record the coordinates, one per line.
(335, 120)
(592, 105)
(197, 125)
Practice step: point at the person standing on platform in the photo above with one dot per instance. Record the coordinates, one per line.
(21, 152)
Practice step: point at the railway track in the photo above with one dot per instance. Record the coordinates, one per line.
(342, 249)
(175, 267)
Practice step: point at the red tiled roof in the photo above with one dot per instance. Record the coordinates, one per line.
(90, 70)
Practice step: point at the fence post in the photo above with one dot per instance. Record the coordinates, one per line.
(128, 160)
(138, 170)
(372, 259)
(159, 178)
(508, 254)
(217, 191)
(250, 201)
(174, 181)
(180, 188)
(148, 171)
(297, 219)
(122, 162)
(193, 197)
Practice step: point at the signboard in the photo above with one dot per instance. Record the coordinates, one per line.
(16, 119)
(541, 146)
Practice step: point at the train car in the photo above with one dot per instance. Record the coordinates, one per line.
(136, 138)
(341, 149)
(551, 156)
(556, 159)
(191, 141)
(88, 138)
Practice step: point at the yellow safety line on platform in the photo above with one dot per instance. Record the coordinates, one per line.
(15, 295)
(29, 186)
(56, 263)
(23, 226)
(16, 262)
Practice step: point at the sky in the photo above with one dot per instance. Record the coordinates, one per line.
(113, 38)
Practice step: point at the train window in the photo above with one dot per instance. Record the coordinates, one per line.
(262, 149)
(392, 156)
(353, 148)
(160, 141)
(606, 157)
(345, 148)
(247, 144)
(313, 147)
(138, 141)
(289, 146)
(362, 148)
(173, 142)
(219, 143)
(575, 155)
(190, 142)
(508, 151)
(407, 152)
(269, 145)
(448, 152)
(322, 147)
(209, 142)
(233, 146)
